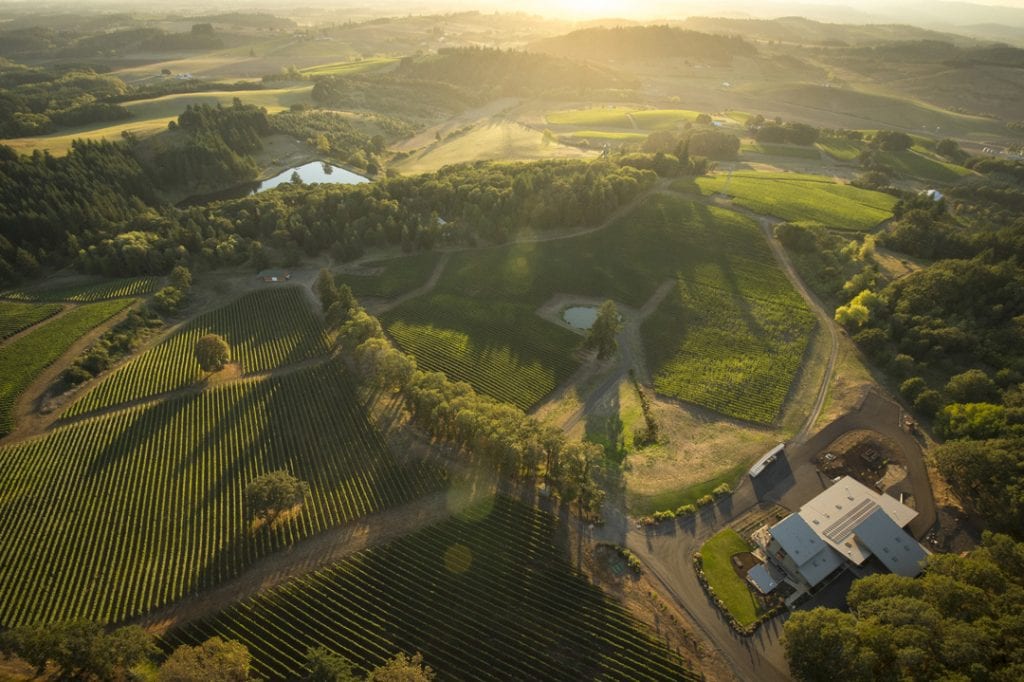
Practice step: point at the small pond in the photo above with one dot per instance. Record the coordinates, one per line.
(310, 173)
(580, 316)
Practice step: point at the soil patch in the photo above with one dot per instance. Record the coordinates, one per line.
(867, 456)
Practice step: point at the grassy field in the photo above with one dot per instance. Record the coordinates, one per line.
(470, 341)
(612, 135)
(716, 560)
(490, 598)
(663, 119)
(110, 517)
(600, 117)
(152, 116)
(86, 293)
(768, 149)
(24, 358)
(796, 197)
(922, 167)
(479, 325)
(14, 317)
(840, 149)
(392, 277)
(265, 329)
(348, 68)
(501, 141)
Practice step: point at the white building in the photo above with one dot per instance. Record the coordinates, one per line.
(844, 526)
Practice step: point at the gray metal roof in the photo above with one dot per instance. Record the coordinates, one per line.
(900, 553)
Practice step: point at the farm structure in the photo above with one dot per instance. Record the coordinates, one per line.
(848, 526)
(273, 276)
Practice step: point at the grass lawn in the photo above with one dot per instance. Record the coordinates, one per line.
(642, 505)
(796, 197)
(716, 561)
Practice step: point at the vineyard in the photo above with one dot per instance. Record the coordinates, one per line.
(24, 358)
(118, 288)
(265, 329)
(795, 197)
(392, 277)
(470, 341)
(14, 317)
(482, 600)
(111, 517)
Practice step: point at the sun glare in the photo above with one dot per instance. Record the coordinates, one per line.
(588, 9)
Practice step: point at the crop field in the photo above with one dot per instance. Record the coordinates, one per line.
(392, 277)
(157, 493)
(348, 68)
(14, 317)
(24, 358)
(483, 599)
(502, 141)
(920, 166)
(744, 332)
(88, 293)
(616, 135)
(803, 198)
(478, 325)
(768, 149)
(265, 329)
(470, 341)
(840, 149)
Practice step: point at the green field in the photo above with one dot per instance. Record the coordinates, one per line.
(479, 324)
(14, 317)
(921, 167)
(482, 599)
(840, 148)
(796, 197)
(600, 117)
(265, 329)
(469, 340)
(86, 293)
(768, 149)
(24, 358)
(349, 68)
(392, 277)
(110, 517)
(663, 119)
(615, 135)
(716, 560)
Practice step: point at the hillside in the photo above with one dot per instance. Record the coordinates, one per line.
(643, 42)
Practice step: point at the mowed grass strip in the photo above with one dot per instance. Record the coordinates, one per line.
(265, 329)
(716, 561)
(487, 596)
(15, 317)
(111, 517)
(392, 277)
(351, 67)
(591, 118)
(799, 198)
(24, 358)
(87, 293)
(503, 350)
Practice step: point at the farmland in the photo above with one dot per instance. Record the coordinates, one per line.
(265, 329)
(468, 340)
(840, 148)
(158, 492)
(803, 198)
(479, 326)
(392, 277)
(769, 149)
(14, 317)
(643, 119)
(347, 68)
(86, 293)
(919, 166)
(24, 358)
(501, 604)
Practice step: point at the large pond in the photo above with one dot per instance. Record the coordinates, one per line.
(580, 316)
(310, 173)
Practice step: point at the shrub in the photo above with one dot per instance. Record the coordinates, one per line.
(722, 490)
(705, 500)
(686, 510)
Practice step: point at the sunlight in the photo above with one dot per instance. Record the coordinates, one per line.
(578, 9)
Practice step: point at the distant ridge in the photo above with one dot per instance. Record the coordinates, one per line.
(643, 42)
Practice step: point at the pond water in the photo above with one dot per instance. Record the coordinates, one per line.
(312, 172)
(580, 316)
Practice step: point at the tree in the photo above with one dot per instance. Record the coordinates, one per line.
(912, 387)
(326, 289)
(181, 277)
(989, 477)
(80, 648)
(605, 328)
(270, 494)
(402, 668)
(822, 646)
(167, 301)
(326, 666)
(971, 420)
(214, 659)
(212, 352)
(972, 386)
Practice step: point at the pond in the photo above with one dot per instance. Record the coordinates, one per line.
(580, 316)
(310, 173)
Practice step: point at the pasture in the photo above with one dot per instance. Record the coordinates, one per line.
(487, 597)
(796, 197)
(110, 517)
(15, 317)
(391, 277)
(24, 358)
(265, 329)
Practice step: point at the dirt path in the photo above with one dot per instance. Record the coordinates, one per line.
(307, 556)
(421, 290)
